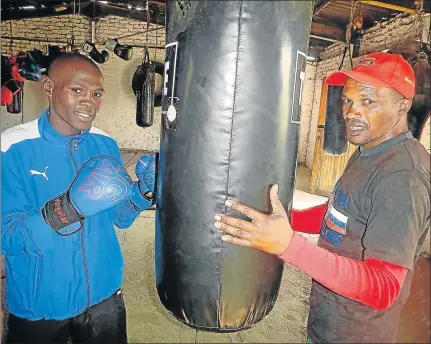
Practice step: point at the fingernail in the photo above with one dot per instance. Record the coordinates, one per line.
(217, 225)
(217, 217)
(228, 203)
(224, 238)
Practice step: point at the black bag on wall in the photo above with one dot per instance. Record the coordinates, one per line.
(143, 85)
(334, 139)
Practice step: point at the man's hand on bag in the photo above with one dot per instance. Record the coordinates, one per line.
(270, 233)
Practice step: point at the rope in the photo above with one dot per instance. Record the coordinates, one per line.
(155, 51)
(10, 26)
(147, 8)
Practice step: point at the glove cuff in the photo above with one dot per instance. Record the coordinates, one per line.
(59, 212)
(139, 199)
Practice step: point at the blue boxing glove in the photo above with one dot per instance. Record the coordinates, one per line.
(100, 184)
(144, 191)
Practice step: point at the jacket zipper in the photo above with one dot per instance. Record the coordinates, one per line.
(74, 142)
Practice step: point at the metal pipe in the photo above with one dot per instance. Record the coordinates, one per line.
(149, 46)
(327, 39)
(93, 31)
(33, 40)
(66, 42)
(141, 32)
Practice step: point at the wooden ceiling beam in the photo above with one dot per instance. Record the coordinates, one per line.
(329, 22)
(332, 32)
(389, 6)
(321, 7)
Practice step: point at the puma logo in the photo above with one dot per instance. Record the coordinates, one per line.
(40, 173)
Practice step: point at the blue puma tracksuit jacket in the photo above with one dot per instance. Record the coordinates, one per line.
(49, 276)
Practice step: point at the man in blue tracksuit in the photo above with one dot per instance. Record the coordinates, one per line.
(62, 256)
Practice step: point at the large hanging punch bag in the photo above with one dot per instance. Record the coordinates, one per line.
(230, 118)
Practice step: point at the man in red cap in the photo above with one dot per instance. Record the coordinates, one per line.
(377, 218)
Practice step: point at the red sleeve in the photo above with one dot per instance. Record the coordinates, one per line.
(375, 283)
(308, 220)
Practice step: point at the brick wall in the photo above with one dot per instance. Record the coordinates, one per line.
(385, 35)
(117, 114)
(49, 30)
(110, 25)
(118, 111)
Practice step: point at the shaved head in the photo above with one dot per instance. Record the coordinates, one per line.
(64, 60)
(74, 88)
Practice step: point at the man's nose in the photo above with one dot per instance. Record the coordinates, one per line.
(87, 99)
(352, 111)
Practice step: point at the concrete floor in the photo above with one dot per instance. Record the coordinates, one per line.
(149, 322)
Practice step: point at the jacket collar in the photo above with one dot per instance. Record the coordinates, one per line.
(47, 131)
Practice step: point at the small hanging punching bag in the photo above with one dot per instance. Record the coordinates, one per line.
(334, 139)
(230, 117)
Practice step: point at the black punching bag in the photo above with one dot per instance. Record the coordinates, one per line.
(230, 118)
(334, 139)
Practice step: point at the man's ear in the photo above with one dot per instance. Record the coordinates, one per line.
(47, 86)
(405, 105)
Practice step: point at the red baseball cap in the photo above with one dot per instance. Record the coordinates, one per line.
(380, 69)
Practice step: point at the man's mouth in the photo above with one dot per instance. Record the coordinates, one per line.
(356, 128)
(84, 116)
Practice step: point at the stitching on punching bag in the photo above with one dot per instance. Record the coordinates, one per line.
(238, 45)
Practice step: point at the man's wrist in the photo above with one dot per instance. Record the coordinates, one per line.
(286, 243)
(60, 212)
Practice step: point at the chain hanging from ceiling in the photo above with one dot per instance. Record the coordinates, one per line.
(10, 27)
(358, 19)
(355, 23)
